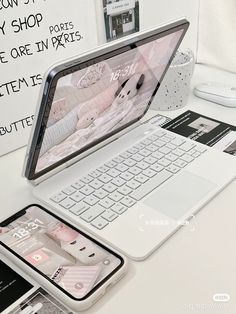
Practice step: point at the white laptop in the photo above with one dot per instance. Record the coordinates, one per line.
(92, 160)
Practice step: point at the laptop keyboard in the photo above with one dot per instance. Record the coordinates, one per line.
(110, 190)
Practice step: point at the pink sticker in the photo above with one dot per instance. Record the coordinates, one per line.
(37, 257)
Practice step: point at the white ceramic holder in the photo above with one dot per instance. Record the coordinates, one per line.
(174, 90)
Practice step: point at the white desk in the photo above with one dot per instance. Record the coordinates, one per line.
(184, 274)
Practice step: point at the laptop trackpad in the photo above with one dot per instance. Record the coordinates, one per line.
(180, 195)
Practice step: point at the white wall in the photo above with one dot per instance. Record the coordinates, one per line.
(154, 12)
(217, 38)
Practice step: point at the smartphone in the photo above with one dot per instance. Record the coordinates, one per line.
(67, 262)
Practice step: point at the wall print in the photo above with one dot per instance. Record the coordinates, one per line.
(35, 35)
(121, 18)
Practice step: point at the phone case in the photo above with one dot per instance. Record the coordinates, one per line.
(66, 276)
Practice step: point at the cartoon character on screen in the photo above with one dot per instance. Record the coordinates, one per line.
(89, 111)
(129, 88)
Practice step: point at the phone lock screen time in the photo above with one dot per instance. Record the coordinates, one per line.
(68, 258)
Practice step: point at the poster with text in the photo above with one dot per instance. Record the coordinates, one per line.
(121, 18)
(34, 35)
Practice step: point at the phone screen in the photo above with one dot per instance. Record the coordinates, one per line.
(68, 258)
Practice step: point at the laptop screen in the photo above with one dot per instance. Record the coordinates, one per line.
(101, 98)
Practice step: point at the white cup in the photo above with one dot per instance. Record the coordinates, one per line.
(174, 90)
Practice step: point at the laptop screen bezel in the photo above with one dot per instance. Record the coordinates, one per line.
(70, 67)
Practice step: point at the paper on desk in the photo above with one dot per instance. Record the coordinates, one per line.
(205, 130)
(227, 144)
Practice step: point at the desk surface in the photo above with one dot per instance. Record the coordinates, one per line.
(195, 264)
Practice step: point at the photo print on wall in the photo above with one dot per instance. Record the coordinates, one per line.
(121, 18)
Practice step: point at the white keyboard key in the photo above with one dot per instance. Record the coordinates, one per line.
(77, 197)
(119, 208)
(157, 155)
(139, 146)
(118, 159)
(177, 141)
(87, 179)
(192, 151)
(135, 170)
(105, 178)
(167, 139)
(130, 162)
(150, 160)
(78, 185)
(153, 137)
(106, 202)
(146, 142)
(126, 176)
(79, 208)
(91, 200)
(159, 143)
(118, 181)
(178, 152)
(109, 215)
(141, 178)
(187, 146)
(150, 185)
(111, 164)
(152, 148)
(164, 162)
(116, 196)
(100, 193)
(122, 167)
(145, 152)
(69, 190)
(67, 203)
(164, 150)
(180, 163)
(137, 157)
(87, 190)
(142, 165)
(160, 133)
(133, 150)
(126, 155)
(171, 157)
(133, 184)
(96, 184)
(196, 154)
(92, 213)
(201, 149)
(170, 146)
(57, 198)
(170, 135)
(125, 190)
(187, 158)
(173, 168)
(99, 223)
(128, 201)
(103, 169)
(110, 187)
(149, 173)
(113, 173)
(95, 173)
(157, 167)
